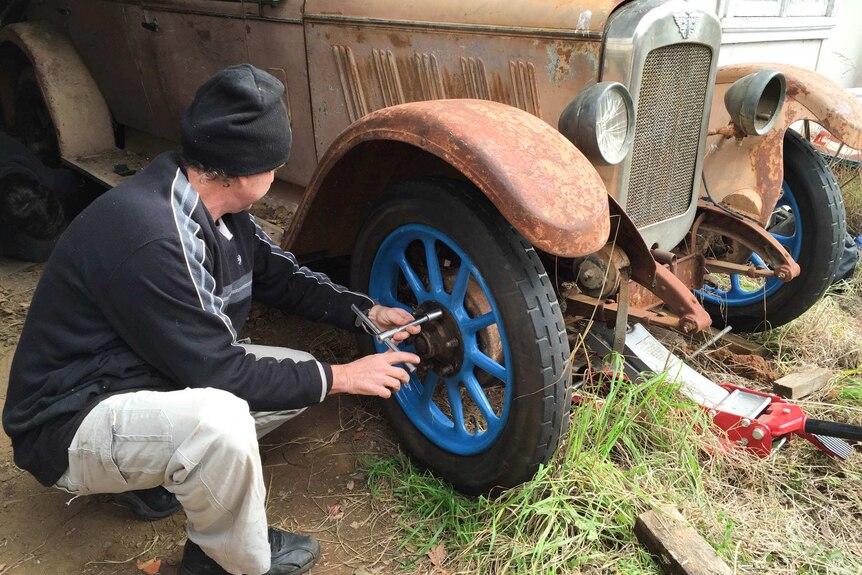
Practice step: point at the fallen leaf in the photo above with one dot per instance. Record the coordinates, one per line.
(437, 555)
(358, 435)
(350, 485)
(150, 566)
(333, 508)
(355, 525)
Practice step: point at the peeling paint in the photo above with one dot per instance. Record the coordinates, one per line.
(584, 21)
(560, 61)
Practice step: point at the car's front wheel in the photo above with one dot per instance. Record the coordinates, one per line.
(490, 399)
(809, 222)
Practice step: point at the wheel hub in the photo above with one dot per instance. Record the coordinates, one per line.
(440, 344)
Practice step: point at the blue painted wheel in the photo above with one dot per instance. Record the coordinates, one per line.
(790, 227)
(419, 398)
(809, 222)
(489, 400)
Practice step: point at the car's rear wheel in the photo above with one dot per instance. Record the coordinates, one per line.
(809, 221)
(490, 400)
(33, 124)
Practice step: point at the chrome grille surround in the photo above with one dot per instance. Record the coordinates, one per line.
(665, 53)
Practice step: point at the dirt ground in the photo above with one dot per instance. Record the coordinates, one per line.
(311, 465)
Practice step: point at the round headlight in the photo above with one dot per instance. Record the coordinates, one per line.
(600, 122)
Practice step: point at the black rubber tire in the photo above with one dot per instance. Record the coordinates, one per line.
(34, 126)
(822, 216)
(530, 315)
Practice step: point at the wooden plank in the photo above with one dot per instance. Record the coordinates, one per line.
(677, 547)
(802, 383)
(740, 345)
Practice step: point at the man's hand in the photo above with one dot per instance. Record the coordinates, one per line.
(373, 374)
(389, 317)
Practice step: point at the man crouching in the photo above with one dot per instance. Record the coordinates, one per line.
(128, 377)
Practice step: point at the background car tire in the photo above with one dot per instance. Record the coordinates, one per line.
(537, 396)
(819, 218)
(33, 124)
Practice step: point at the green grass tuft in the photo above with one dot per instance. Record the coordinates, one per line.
(634, 447)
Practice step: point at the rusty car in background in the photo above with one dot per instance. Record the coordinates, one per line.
(521, 166)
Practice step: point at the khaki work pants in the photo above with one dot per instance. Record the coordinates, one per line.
(200, 444)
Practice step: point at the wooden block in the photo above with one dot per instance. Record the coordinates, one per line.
(802, 383)
(739, 345)
(678, 548)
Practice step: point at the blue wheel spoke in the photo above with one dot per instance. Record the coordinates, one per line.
(453, 390)
(428, 387)
(478, 394)
(411, 276)
(735, 288)
(787, 241)
(473, 325)
(758, 261)
(487, 364)
(435, 278)
(459, 290)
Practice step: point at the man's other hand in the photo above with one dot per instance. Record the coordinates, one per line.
(373, 374)
(389, 317)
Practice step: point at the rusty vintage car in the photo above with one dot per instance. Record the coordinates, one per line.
(520, 165)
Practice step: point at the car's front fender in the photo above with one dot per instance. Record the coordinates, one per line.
(536, 178)
(747, 174)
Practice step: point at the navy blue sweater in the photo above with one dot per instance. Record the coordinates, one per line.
(143, 291)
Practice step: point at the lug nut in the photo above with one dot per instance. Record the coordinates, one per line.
(452, 343)
(757, 433)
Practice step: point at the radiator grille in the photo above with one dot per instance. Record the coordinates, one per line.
(667, 132)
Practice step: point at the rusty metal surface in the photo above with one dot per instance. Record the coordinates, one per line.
(557, 200)
(691, 321)
(624, 233)
(66, 83)
(652, 283)
(747, 173)
(573, 16)
(751, 271)
(712, 219)
(811, 96)
(359, 69)
(688, 269)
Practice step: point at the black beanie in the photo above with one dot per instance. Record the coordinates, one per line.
(238, 123)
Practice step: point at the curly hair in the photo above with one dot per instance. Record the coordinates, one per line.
(209, 173)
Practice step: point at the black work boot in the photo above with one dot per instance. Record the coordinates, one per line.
(149, 504)
(291, 555)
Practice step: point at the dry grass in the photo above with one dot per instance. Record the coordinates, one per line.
(827, 335)
(849, 177)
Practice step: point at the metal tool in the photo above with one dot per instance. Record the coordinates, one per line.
(385, 337)
(758, 421)
(430, 316)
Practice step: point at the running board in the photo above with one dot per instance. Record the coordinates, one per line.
(115, 167)
(111, 168)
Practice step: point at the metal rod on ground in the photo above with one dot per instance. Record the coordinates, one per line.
(711, 341)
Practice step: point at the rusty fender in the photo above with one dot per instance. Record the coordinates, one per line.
(746, 174)
(536, 178)
(78, 109)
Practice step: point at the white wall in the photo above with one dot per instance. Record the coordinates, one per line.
(841, 53)
(830, 44)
